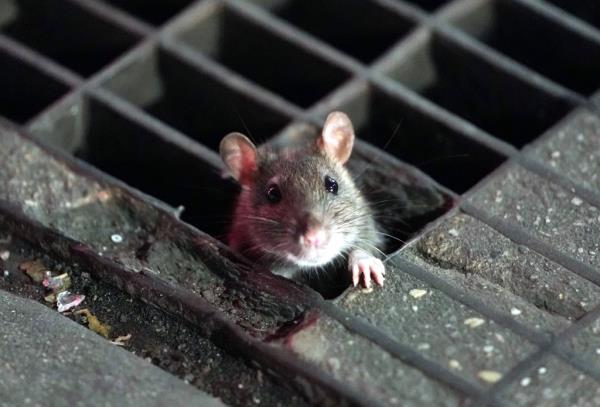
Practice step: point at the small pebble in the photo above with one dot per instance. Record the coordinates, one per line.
(580, 250)
(240, 386)
(597, 349)
(417, 293)
(576, 201)
(415, 308)
(515, 311)
(454, 364)
(116, 238)
(542, 370)
(489, 376)
(474, 322)
(488, 348)
(6, 273)
(4, 255)
(555, 154)
(453, 232)
(423, 346)
(525, 381)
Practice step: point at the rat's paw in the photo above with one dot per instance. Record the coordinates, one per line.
(370, 267)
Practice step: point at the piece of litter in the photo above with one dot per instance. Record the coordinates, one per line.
(488, 348)
(455, 364)
(453, 232)
(58, 283)
(525, 381)
(6, 273)
(35, 269)
(116, 238)
(598, 351)
(555, 154)
(94, 323)
(542, 370)
(474, 322)
(4, 255)
(576, 201)
(65, 300)
(417, 293)
(415, 308)
(489, 376)
(51, 298)
(515, 311)
(120, 340)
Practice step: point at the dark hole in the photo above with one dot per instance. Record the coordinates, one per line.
(25, 91)
(348, 25)
(587, 10)
(143, 160)
(265, 58)
(542, 45)
(447, 156)
(67, 34)
(490, 98)
(403, 199)
(156, 12)
(194, 103)
(429, 5)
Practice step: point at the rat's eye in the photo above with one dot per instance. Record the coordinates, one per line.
(331, 185)
(273, 193)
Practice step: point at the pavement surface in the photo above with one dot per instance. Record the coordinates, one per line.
(47, 359)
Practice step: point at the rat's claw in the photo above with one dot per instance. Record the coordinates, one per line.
(366, 271)
(355, 274)
(378, 271)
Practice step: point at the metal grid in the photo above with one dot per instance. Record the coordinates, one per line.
(449, 69)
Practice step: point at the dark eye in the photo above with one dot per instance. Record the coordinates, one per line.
(331, 185)
(273, 193)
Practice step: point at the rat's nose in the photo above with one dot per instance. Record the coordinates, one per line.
(314, 237)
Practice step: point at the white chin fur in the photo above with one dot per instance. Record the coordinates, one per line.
(316, 258)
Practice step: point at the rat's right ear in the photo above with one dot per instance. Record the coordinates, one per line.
(239, 155)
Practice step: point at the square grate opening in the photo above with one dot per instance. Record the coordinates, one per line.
(25, 90)
(587, 10)
(530, 38)
(263, 57)
(145, 160)
(190, 100)
(477, 90)
(153, 12)
(65, 33)
(420, 140)
(347, 25)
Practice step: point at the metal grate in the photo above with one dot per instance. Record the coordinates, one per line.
(464, 84)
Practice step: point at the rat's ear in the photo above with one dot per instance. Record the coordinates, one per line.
(239, 155)
(337, 137)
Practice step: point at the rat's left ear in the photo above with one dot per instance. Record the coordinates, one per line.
(337, 137)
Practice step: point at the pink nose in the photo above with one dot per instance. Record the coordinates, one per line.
(314, 238)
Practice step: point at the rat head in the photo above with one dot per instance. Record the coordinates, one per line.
(297, 205)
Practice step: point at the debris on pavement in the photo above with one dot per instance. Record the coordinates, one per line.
(120, 340)
(94, 323)
(65, 300)
(35, 269)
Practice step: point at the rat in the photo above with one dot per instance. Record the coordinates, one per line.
(299, 208)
